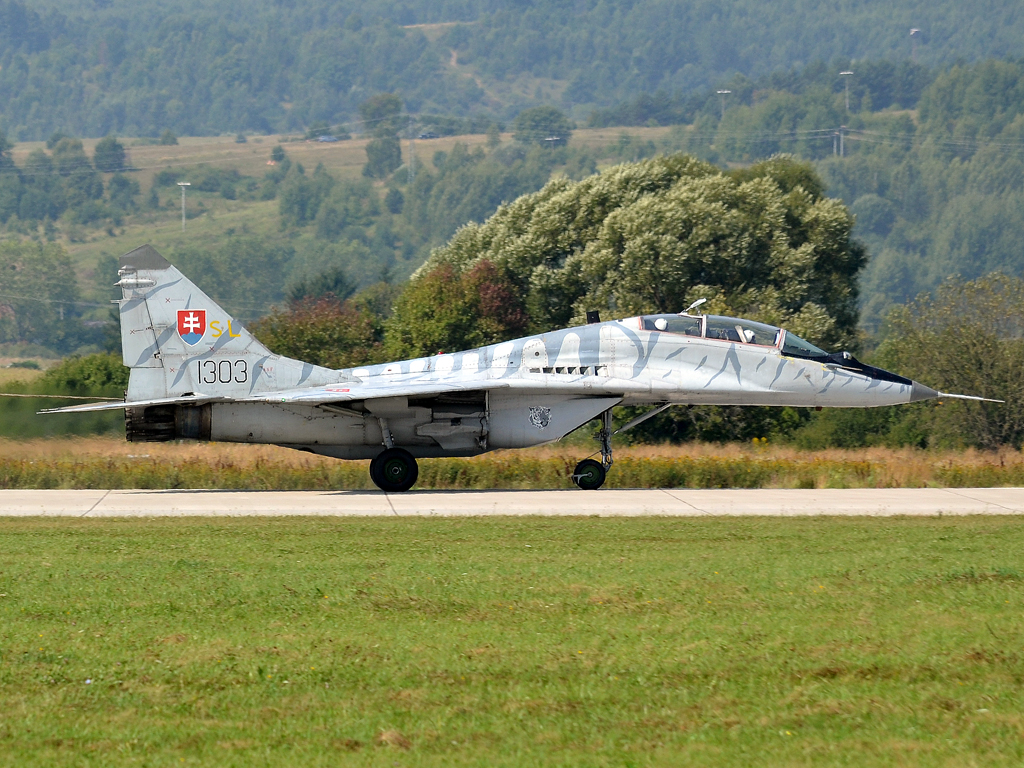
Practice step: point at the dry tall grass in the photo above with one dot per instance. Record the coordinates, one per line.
(99, 462)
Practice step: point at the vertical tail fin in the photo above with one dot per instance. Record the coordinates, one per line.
(178, 341)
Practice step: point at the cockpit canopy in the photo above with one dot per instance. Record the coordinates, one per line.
(733, 329)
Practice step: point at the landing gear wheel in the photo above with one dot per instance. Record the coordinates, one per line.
(589, 475)
(394, 470)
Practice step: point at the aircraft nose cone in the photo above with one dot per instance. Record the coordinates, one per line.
(920, 392)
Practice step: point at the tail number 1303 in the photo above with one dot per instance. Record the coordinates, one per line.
(222, 371)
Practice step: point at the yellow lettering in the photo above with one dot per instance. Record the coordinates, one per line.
(232, 335)
(215, 329)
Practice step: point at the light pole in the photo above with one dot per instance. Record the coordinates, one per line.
(914, 34)
(846, 77)
(183, 184)
(722, 95)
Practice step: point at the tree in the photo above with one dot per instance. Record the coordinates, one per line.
(533, 126)
(97, 374)
(81, 183)
(69, 158)
(34, 306)
(243, 274)
(332, 284)
(383, 157)
(382, 114)
(122, 192)
(301, 196)
(5, 152)
(656, 235)
(109, 155)
(167, 138)
(394, 200)
(323, 331)
(445, 311)
(966, 337)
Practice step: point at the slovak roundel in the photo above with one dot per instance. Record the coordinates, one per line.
(191, 325)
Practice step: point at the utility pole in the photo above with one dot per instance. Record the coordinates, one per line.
(842, 145)
(721, 96)
(183, 184)
(412, 151)
(915, 33)
(846, 77)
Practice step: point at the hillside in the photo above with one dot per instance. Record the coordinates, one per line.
(138, 68)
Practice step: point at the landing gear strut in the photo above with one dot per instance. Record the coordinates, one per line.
(589, 474)
(394, 470)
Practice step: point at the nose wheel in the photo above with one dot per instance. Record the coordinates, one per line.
(394, 470)
(589, 474)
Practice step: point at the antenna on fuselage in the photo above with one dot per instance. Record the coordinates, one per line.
(695, 304)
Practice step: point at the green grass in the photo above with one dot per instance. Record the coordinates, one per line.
(512, 642)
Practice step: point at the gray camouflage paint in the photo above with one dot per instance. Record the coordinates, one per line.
(618, 357)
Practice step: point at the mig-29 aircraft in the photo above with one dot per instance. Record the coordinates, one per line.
(195, 373)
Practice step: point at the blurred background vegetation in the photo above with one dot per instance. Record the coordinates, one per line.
(332, 149)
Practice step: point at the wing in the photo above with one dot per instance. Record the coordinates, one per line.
(331, 393)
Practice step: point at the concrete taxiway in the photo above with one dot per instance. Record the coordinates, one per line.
(609, 502)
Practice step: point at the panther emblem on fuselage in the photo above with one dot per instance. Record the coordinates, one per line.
(540, 416)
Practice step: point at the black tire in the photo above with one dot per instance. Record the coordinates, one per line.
(374, 473)
(394, 470)
(589, 475)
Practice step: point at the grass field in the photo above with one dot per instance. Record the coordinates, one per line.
(110, 462)
(501, 642)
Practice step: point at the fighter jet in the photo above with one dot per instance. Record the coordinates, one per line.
(197, 374)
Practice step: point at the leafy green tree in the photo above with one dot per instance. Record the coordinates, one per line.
(97, 374)
(122, 192)
(38, 294)
(383, 157)
(534, 125)
(301, 196)
(69, 158)
(653, 237)
(332, 284)
(394, 200)
(243, 274)
(350, 205)
(325, 332)
(109, 155)
(167, 138)
(6, 161)
(966, 337)
(382, 114)
(446, 311)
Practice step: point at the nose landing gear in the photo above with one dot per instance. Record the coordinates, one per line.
(589, 474)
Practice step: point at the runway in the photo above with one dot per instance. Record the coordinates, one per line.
(882, 502)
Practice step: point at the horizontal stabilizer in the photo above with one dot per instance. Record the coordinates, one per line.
(192, 400)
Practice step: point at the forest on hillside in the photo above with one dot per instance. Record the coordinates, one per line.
(200, 68)
(931, 167)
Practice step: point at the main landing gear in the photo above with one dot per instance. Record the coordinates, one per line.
(589, 474)
(394, 470)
